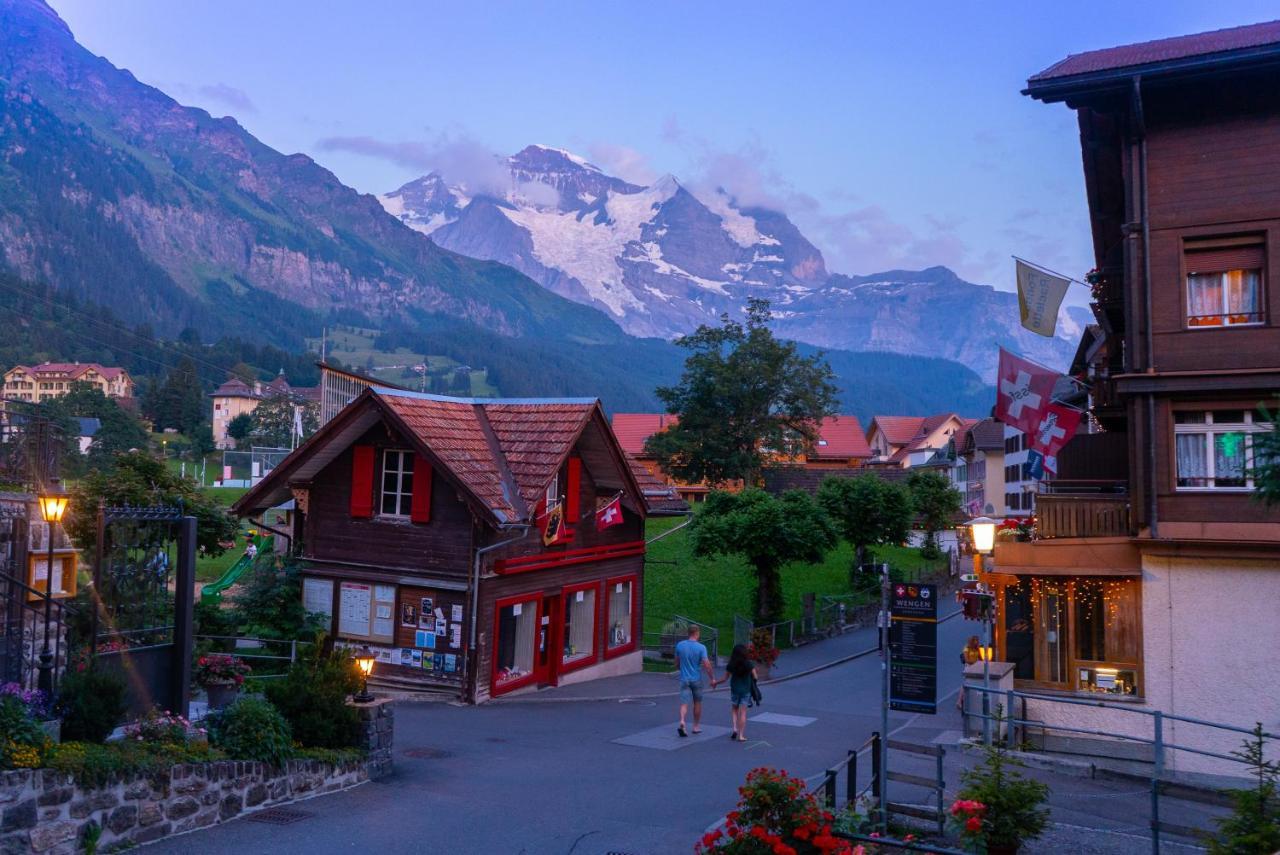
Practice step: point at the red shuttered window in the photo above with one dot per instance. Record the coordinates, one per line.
(420, 510)
(362, 481)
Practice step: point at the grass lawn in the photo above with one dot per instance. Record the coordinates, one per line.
(713, 590)
(210, 568)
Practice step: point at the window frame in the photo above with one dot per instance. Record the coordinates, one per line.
(596, 647)
(622, 649)
(404, 500)
(1248, 427)
(496, 688)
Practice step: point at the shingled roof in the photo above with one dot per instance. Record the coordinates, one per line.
(841, 436)
(502, 452)
(632, 429)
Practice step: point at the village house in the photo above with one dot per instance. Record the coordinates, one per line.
(54, 379)
(906, 441)
(477, 546)
(977, 467)
(840, 445)
(1155, 574)
(236, 398)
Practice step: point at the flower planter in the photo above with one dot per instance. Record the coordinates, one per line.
(221, 694)
(763, 671)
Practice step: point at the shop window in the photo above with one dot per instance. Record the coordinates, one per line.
(1079, 633)
(397, 483)
(621, 615)
(579, 627)
(1224, 285)
(1214, 449)
(517, 630)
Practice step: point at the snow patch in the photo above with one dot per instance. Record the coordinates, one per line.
(739, 227)
(579, 160)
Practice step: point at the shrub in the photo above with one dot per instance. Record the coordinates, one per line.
(162, 727)
(312, 696)
(36, 701)
(1254, 823)
(220, 669)
(22, 740)
(92, 704)
(1013, 809)
(93, 765)
(252, 729)
(775, 815)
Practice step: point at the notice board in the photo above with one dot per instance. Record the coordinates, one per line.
(913, 648)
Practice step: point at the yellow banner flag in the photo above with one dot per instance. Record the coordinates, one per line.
(1039, 298)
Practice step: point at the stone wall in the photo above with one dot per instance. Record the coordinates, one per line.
(43, 811)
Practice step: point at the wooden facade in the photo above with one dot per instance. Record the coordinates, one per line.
(438, 568)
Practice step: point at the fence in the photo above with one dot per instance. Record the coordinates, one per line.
(663, 644)
(246, 468)
(743, 628)
(1158, 743)
(273, 659)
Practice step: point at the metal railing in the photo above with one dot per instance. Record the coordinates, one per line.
(1158, 742)
(663, 644)
(744, 628)
(1062, 515)
(285, 652)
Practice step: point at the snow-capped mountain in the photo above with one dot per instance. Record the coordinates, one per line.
(662, 259)
(658, 259)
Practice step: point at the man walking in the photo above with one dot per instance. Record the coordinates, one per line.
(691, 654)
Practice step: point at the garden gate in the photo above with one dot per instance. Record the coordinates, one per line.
(144, 592)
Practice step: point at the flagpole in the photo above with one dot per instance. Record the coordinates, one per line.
(1044, 269)
(1053, 371)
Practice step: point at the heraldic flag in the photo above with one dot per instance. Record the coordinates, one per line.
(1039, 297)
(1023, 389)
(610, 515)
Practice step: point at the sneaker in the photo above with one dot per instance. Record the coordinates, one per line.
(733, 735)
(680, 730)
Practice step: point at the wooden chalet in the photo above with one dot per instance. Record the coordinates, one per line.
(423, 526)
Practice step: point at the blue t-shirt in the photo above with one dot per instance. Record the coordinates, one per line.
(691, 654)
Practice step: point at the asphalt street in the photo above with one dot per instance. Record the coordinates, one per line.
(537, 777)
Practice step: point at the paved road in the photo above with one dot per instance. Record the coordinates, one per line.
(538, 777)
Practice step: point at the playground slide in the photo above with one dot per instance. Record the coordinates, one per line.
(212, 592)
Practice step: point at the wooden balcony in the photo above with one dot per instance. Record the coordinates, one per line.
(1088, 515)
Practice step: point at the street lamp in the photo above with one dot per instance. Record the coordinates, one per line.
(983, 530)
(364, 661)
(53, 504)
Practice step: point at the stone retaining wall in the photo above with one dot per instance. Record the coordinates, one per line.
(43, 811)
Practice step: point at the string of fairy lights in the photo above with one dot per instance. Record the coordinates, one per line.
(1085, 591)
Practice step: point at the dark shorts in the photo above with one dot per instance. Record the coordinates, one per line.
(690, 693)
(740, 698)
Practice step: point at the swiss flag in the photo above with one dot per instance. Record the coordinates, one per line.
(1023, 389)
(609, 515)
(1056, 427)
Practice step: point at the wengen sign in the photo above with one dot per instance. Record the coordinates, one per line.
(913, 648)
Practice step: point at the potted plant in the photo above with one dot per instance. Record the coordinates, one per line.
(221, 675)
(762, 652)
(1009, 807)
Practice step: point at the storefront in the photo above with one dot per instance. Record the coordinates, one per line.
(1072, 633)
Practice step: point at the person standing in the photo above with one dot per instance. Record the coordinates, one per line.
(740, 672)
(971, 653)
(691, 656)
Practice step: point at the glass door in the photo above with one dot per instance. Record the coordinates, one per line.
(1052, 647)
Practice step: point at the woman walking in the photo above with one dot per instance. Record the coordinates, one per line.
(740, 672)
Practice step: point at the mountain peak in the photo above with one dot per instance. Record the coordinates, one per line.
(535, 157)
(36, 12)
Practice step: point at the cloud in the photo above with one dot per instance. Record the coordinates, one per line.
(623, 161)
(543, 195)
(458, 158)
(228, 96)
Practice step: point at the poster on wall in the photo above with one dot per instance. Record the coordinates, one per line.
(457, 613)
(425, 618)
(317, 596)
(442, 626)
(455, 636)
(408, 614)
(354, 602)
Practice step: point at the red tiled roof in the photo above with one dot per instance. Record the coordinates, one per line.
(660, 498)
(632, 429)
(898, 430)
(74, 369)
(535, 438)
(841, 436)
(1163, 50)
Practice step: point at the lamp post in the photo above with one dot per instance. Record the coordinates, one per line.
(364, 661)
(983, 530)
(53, 504)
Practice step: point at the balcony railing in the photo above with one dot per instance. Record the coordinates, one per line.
(1090, 515)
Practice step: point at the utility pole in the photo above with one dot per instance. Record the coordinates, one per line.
(884, 699)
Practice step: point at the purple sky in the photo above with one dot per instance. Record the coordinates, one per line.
(894, 135)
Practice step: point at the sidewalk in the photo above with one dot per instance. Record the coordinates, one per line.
(792, 663)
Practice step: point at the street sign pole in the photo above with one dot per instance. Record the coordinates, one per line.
(884, 700)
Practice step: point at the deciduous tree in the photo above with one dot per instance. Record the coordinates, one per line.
(867, 510)
(768, 532)
(240, 427)
(742, 392)
(936, 502)
(275, 420)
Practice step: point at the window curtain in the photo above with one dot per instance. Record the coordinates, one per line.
(515, 640)
(1228, 459)
(1204, 297)
(580, 619)
(1193, 464)
(526, 627)
(620, 615)
(1242, 294)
